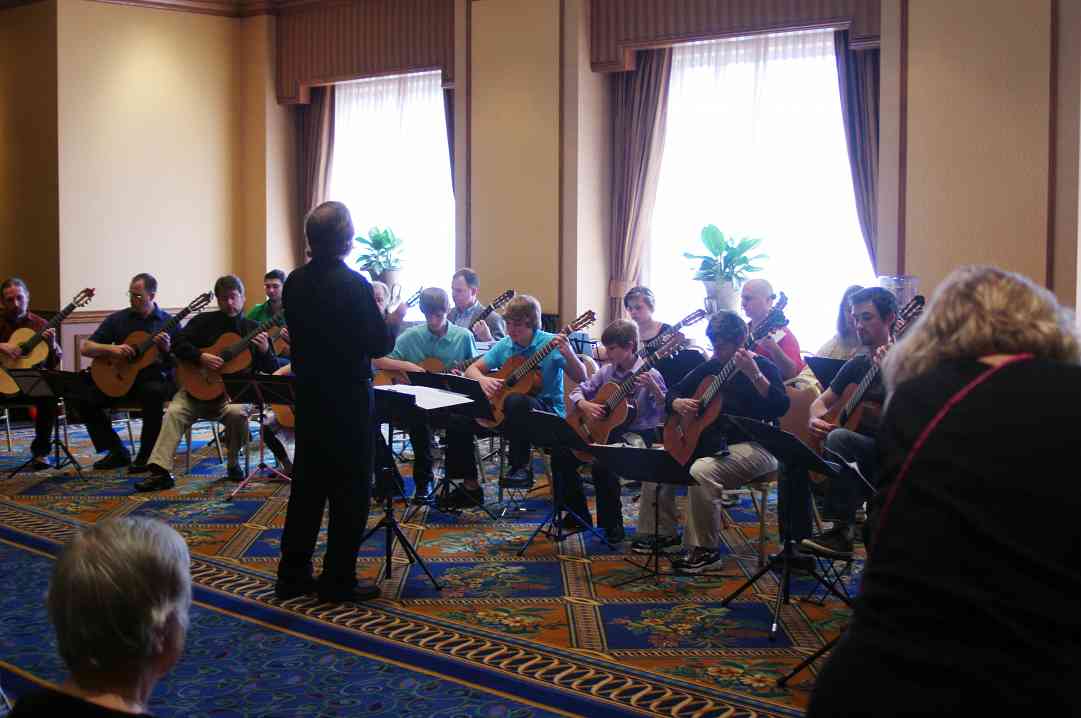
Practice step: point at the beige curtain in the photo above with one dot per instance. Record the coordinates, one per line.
(315, 154)
(639, 108)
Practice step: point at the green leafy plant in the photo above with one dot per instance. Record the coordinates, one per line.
(728, 259)
(382, 251)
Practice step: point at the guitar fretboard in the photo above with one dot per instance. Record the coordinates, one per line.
(29, 344)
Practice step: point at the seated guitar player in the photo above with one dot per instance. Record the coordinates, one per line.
(875, 311)
(17, 315)
(620, 340)
(153, 385)
(525, 337)
(439, 339)
(723, 459)
(779, 346)
(464, 287)
(185, 409)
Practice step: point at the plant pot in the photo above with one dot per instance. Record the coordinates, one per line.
(721, 295)
(391, 277)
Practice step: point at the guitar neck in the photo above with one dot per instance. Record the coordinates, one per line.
(627, 385)
(29, 344)
(536, 359)
(864, 385)
(718, 381)
(241, 344)
(168, 327)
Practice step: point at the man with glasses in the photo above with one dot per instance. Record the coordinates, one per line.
(153, 385)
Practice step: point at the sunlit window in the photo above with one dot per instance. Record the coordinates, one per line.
(756, 146)
(392, 169)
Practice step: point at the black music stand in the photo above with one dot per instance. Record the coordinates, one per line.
(793, 453)
(389, 521)
(825, 369)
(548, 430)
(259, 390)
(655, 466)
(49, 383)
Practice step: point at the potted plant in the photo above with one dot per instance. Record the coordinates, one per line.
(724, 269)
(381, 255)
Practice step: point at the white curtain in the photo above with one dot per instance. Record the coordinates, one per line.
(756, 146)
(391, 169)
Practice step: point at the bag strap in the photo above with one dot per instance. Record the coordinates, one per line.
(926, 433)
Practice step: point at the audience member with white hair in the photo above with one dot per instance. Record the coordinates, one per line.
(118, 600)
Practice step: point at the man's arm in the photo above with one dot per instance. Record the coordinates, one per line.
(103, 342)
(775, 353)
(184, 347)
(388, 364)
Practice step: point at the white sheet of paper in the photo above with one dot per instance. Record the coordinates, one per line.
(427, 397)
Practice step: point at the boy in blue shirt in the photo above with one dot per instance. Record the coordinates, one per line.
(436, 338)
(524, 338)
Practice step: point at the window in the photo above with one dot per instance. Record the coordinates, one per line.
(392, 169)
(755, 145)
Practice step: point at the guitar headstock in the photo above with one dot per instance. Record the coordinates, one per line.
(83, 298)
(773, 321)
(673, 345)
(201, 301)
(415, 298)
(278, 320)
(501, 300)
(908, 314)
(583, 321)
(693, 318)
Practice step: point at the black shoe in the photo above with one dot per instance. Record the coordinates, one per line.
(664, 544)
(462, 498)
(362, 592)
(422, 496)
(520, 478)
(115, 459)
(699, 560)
(800, 563)
(294, 589)
(234, 473)
(570, 523)
(159, 480)
(835, 543)
(138, 468)
(40, 463)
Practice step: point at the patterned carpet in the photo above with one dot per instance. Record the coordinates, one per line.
(546, 633)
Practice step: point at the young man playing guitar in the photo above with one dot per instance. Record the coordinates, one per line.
(620, 340)
(153, 385)
(464, 287)
(779, 346)
(184, 410)
(722, 458)
(875, 311)
(273, 281)
(524, 338)
(16, 315)
(436, 338)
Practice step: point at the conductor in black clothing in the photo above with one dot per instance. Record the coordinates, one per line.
(336, 329)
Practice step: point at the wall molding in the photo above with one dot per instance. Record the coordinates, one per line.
(220, 8)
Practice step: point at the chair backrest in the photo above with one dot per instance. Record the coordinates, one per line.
(802, 393)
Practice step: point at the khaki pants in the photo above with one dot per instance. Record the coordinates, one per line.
(184, 410)
(715, 474)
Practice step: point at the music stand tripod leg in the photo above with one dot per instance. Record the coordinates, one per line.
(783, 680)
(555, 518)
(654, 559)
(394, 531)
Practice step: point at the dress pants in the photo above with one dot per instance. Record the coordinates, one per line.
(184, 410)
(333, 464)
(743, 463)
(516, 410)
(151, 395)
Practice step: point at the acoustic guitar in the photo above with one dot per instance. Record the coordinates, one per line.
(435, 366)
(851, 408)
(615, 397)
(520, 374)
(34, 350)
(116, 375)
(683, 431)
(661, 339)
(206, 384)
(280, 343)
(284, 413)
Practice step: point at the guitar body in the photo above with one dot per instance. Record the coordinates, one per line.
(36, 356)
(8, 387)
(389, 378)
(433, 365)
(598, 431)
(281, 347)
(681, 433)
(115, 377)
(204, 384)
(853, 421)
(529, 384)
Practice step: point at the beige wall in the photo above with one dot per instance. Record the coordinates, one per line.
(28, 157)
(586, 175)
(147, 149)
(977, 160)
(515, 213)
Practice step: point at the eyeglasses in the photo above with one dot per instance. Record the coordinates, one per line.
(134, 295)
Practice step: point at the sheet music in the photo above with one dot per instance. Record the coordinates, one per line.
(428, 398)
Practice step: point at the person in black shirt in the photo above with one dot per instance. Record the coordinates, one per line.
(153, 384)
(185, 409)
(723, 459)
(969, 594)
(875, 310)
(336, 329)
(119, 600)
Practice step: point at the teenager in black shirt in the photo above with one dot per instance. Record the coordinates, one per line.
(969, 594)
